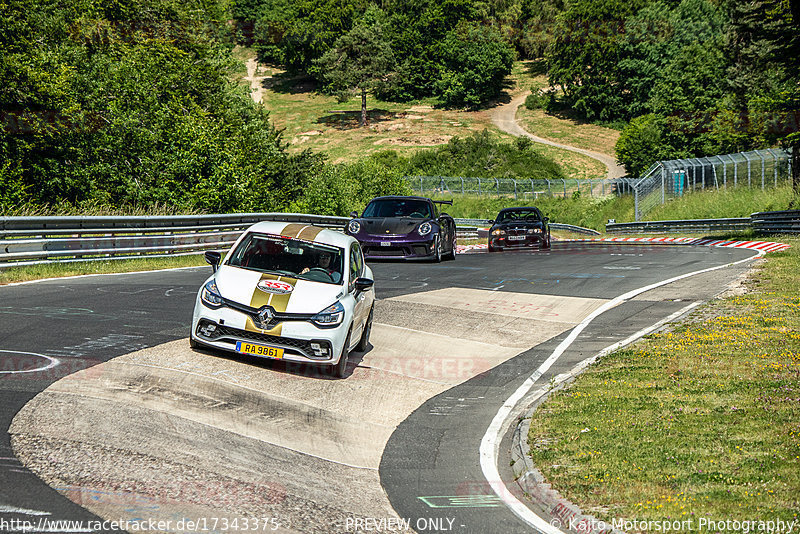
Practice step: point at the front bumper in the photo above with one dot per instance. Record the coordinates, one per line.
(301, 341)
(527, 241)
(377, 247)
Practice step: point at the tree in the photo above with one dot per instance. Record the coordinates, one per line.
(360, 61)
(476, 62)
(641, 144)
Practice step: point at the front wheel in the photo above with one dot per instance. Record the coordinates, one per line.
(363, 343)
(340, 368)
(437, 256)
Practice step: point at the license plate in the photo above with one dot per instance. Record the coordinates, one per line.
(516, 237)
(259, 350)
(386, 243)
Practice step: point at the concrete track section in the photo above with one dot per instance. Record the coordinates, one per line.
(170, 434)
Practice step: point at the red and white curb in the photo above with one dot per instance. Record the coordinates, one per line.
(765, 246)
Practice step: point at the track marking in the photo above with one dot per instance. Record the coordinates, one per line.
(490, 443)
(53, 362)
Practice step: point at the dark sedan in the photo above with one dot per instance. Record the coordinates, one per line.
(405, 227)
(523, 227)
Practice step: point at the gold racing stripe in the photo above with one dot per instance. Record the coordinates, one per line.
(306, 232)
(278, 303)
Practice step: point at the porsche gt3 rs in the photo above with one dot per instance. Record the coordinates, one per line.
(405, 227)
(287, 291)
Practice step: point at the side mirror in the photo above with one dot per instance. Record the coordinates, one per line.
(364, 284)
(213, 258)
(353, 214)
(491, 221)
(547, 219)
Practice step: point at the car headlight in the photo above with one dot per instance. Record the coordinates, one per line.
(535, 231)
(354, 227)
(498, 232)
(331, 316)
(424, 228)
(210, 295)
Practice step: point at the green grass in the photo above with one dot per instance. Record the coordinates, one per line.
(594, 212)
(702, 420)
(725, 203)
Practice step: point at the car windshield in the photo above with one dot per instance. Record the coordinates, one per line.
(398, 207)
(289, 257)
(519, 215)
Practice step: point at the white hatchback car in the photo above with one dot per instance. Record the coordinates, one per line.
(287, 291)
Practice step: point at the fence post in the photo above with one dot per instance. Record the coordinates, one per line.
(776, 165)
(565, 187)
(749, 182)
(636, 203)
(462, 184)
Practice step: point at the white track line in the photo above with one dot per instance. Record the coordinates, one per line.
(490, 443)
(53, 362)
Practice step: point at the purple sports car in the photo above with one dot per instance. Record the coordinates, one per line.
(405, 227)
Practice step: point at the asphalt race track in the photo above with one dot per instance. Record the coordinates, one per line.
(103, 399)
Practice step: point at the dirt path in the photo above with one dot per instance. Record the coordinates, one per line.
(256, 82)
(504, 117)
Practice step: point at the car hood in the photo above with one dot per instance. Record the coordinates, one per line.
(283, 293)
(390, 225)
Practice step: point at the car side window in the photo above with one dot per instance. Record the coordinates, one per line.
(356, 263)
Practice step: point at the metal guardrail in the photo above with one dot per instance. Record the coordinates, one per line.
(776, 222)
(767, 222)
(475, 228)
(694, 225)
(35, 240)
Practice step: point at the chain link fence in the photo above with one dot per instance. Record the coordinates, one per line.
(664, 180)
(670, 179)
(517, 189)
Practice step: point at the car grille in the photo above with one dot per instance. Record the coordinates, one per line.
(231, 335)
(385, 251)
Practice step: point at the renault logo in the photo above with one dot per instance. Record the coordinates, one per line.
(265, 316)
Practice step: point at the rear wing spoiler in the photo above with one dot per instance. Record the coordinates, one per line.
(448, 202)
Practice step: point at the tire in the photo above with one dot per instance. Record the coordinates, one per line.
(363, 343)
(492, 249)
(452, 254)
(437, 256)
(546, 244)
(192, 342)
(340, 368)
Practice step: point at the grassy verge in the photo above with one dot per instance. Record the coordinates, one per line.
(562, 129)
(57, 270)
(702, 420)
(739, 202)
